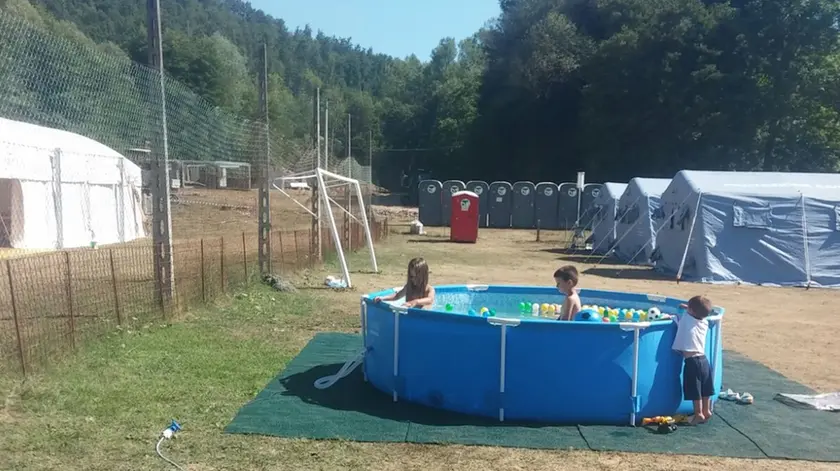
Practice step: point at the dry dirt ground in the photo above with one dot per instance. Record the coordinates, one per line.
(790, 330)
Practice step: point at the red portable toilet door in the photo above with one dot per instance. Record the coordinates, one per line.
(465, 217)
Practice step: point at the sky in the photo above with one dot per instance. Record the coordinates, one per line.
(395, 27)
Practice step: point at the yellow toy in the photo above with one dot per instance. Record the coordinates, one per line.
(658, 420)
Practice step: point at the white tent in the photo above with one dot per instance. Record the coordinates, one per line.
(59, 189)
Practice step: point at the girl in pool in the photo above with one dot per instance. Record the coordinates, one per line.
(417, 290)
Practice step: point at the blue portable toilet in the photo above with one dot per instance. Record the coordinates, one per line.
(591, 192)
(524, 215)
(482, 189)
(545, 205)
(430, 204)
(640, 214)
(450, 187)
(501, 205)
(567, 205)
(603, 227)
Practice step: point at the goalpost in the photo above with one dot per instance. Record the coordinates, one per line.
(323, 181)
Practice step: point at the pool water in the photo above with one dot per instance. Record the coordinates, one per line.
(506, 305)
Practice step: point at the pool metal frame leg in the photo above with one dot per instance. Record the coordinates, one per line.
(504, 324)
(636, 327)
(363, 323)
(398, 311)
(634, 392)
(716, 319)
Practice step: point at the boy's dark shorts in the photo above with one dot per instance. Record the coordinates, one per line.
(697, 378)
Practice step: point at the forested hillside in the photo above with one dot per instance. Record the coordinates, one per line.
(616, 87)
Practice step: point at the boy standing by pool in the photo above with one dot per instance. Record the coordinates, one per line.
(690, 341)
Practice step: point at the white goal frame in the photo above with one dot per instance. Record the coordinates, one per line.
(324, 201)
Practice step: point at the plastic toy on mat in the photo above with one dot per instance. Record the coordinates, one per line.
(664, 424)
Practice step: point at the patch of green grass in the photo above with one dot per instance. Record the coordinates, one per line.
(105, 406)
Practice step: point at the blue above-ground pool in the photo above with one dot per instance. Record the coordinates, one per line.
(518, 367)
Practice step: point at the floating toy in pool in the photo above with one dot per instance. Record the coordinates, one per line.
(449, 307)
(485, 312)
(588, 315)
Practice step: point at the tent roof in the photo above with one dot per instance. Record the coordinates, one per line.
(614, 190)
(31, 135)
(651, 186)
(26, 151)
(825, 185)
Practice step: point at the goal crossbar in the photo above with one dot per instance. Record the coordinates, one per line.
(320, 175)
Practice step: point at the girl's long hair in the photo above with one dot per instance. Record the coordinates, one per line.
(418, 278)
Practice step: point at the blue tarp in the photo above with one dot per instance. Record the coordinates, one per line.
(639, 216)
(603, 228)
(765, 228)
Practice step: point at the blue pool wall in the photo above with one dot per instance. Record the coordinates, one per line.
(555, 371)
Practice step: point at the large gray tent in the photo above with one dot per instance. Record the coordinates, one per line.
(603, 227)
(752, 227)
(639, 217)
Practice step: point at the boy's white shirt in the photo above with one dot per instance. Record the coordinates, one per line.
(691, 334)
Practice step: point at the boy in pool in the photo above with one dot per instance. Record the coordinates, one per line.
(567, 279)
(417, 290)
(690, 342)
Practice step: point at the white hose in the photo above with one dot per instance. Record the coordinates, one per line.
(157, 448)
(346, 369)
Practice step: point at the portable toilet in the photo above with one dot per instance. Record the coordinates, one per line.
(464, 217)
(501, 205)
(430, 205)
(545, 205)
(482, 189)
(567, 205)
(450, 187)
(523, 216)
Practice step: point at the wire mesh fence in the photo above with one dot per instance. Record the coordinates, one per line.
(79, 125)
(52, 303)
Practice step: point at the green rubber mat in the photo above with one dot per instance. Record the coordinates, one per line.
(290, 406)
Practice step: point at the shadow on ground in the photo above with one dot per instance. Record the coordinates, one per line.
(629, 273)
(432, 241)
(354, 394)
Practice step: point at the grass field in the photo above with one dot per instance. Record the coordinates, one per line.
(103, 408)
